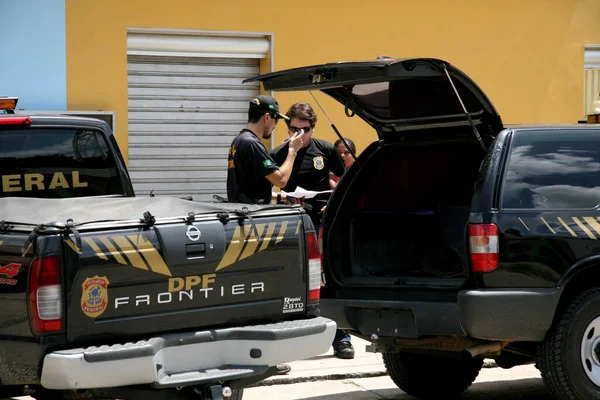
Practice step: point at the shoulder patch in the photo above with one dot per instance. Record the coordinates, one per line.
(267, 163)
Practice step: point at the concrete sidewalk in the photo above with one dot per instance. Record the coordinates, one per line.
(329, 367)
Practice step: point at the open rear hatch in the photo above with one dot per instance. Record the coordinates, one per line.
(394, 95)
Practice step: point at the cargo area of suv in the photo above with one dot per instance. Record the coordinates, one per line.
(404, 217)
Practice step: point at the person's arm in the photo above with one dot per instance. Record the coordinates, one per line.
(280, 177)
(332, 180)
(336, 164)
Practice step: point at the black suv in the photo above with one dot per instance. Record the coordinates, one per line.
(453, 237)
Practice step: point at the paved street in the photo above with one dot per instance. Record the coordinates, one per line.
(523, 383)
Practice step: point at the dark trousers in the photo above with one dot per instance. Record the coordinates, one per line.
(340, 336)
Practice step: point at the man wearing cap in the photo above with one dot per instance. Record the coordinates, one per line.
(251, 170)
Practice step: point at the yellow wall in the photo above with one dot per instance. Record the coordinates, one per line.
(526, 55)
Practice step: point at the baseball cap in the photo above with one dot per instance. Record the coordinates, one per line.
(267, 103)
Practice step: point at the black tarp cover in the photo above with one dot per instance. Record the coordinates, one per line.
(81, 210)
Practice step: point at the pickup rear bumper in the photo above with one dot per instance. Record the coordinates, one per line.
(191, 358)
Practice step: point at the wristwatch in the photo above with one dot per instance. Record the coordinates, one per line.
(278, 197)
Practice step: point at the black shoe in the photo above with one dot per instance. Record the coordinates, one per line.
(283, 369)
(343, 350)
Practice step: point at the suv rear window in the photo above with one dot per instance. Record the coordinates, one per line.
(53, 163)
(553, 170)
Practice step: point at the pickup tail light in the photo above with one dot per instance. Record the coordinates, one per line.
(314, 267)
(483, 246)
(321, 234)
(45, 295)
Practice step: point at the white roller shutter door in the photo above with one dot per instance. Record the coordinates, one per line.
(592, 77)
(183, 114)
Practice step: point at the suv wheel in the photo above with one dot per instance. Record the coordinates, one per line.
(415, 373)
(569, 357)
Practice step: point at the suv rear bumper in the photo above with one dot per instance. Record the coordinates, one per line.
(508, 314)
(491, 314)
(393, 318)
(191, 358)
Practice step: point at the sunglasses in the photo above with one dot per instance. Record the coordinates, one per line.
(295, 129)
(275, 117)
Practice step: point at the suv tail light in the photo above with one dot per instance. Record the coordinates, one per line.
(314, 267)
(45, 295)
(483, 245)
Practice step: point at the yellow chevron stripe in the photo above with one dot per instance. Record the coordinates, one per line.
(252, 242)
(548, 225)
(593, 223)
(132, 254)
(1, 241)
(584, 228)
(267, 238)
(72, 245)
(566, 226)
(526, 227)
(284, 225)
(96, 249)
(235, 246)
(27, 249)
(298, 226)
(113, 250)
(151, 255)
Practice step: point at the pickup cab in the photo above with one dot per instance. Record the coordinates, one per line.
(454, 237)
(107, 295)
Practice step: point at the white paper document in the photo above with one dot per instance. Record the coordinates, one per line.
(307, 194)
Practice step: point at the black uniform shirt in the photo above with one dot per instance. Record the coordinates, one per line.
(311, 169)
(248, 165)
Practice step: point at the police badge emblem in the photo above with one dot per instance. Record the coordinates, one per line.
(318, 163)
(94, 297)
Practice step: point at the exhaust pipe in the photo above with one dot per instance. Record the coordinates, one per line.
(487, 349)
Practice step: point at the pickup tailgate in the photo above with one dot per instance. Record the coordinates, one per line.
(169, 277)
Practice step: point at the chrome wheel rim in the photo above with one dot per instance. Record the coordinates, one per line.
(590, 351)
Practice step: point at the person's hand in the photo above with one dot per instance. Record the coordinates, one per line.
(296, 141)
(323, 209)
(295, 200)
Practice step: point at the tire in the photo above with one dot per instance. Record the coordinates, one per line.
(431, 376)
(567, 352)
(237, 394)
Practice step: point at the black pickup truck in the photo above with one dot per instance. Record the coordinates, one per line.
(107, 295)
(454, 237)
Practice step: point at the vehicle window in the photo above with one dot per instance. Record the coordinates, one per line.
(53, 163)
(414, 98)
(553, 170)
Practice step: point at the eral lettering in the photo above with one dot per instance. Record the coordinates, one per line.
(59, 180)
(10, 183)
(76, 181)
(34, 179)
